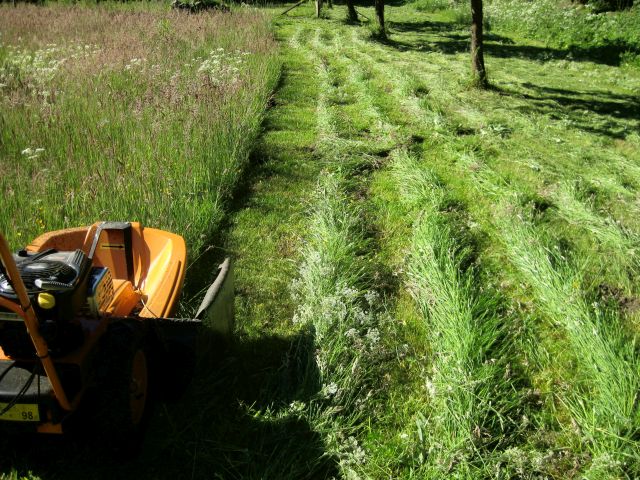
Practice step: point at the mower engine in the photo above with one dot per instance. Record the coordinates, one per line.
(57, 286)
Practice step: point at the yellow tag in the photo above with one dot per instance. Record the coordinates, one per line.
(20, 413)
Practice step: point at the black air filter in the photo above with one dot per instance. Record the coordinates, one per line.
(63, 267)
(63, 275)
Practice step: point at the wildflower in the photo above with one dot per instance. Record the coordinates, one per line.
(371, 297)
(373, 335)
(330, 390)
(351, 333)
(32, 153)
(296, 406)
(355, 454)
(431, 388)
(349, 292)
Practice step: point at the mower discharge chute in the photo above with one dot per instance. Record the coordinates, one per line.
(85, 317)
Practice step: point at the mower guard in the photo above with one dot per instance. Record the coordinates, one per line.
(217, 308)
(148, 268)
(205, 337)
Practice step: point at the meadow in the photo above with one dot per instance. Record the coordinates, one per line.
(433, 281)
(127, 113)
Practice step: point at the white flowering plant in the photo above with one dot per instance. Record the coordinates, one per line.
(347, 321)
(34, 70)
(222, 67)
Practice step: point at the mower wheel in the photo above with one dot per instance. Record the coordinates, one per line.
(123, 386)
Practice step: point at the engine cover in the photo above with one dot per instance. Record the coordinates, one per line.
(62, 275)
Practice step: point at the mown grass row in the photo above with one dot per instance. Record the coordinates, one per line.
(592, 201)
(602, 400)
(472, 416)
(574, 218)
(467, 419)
(474, 441)
(468, 141)
(346, 320)
(334, 292)
(473, 413)
(114, 113)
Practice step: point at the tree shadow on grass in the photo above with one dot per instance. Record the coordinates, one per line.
(448, 38)
(599, 112)
(230, 424)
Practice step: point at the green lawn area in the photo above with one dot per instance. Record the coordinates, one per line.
(432, 281)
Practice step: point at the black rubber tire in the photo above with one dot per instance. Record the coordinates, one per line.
(120, 423)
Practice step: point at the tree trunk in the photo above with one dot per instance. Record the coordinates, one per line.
(380, 15)
(330, 3)
(477, 56)
(352, 15)
(318, 7)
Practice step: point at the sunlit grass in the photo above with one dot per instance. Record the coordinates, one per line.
(532, 143)
(468, 416)
(124, 115)
(604, 398)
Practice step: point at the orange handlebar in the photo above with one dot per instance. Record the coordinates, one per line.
(31, 320)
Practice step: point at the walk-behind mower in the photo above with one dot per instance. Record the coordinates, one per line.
(84, 322)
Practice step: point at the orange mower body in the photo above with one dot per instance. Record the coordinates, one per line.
(85, 314)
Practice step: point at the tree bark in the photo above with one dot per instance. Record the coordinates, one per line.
(318, 7)
(380, 16)
(477, 51)
(352, 15)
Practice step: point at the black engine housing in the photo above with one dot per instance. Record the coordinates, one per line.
(65, 276)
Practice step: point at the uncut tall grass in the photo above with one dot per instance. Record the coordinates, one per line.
(112, 113)
(568, 24)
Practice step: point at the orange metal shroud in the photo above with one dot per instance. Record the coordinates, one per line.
(152, 292)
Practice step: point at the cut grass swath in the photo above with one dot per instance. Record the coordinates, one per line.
(345, 322)
(471, 394)
(608, 237)
(604, 401)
